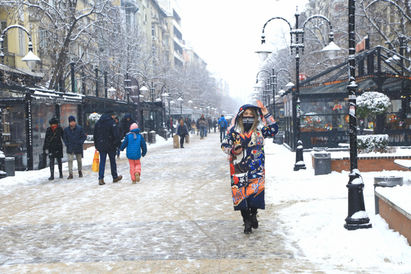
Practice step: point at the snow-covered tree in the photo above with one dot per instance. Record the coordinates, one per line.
(372, 103)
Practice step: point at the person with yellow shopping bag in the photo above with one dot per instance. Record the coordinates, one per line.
(106, 140)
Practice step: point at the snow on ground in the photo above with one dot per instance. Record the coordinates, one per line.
(305, 214)
(314, 212)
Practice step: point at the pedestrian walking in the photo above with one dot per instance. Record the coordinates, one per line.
(125, 124)
(182, 131)
(136, 148)
(222, 125)
(53, 146)
(202, 122)
(74, 137)
(120, 130)
(244, 144)
(215, 125)
(106, 140)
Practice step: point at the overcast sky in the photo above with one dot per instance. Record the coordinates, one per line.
(226, 34)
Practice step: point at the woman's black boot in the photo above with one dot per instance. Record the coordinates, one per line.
(51, 173)
(60, 164)
(247, 220)
(254, 221)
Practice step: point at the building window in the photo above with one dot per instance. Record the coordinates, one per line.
(22, 43)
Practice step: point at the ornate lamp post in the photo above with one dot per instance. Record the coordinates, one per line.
(296, 34)
(357, 217)
(180, 99)
(31, 59)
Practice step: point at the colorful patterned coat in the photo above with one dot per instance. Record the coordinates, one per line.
(247, 169)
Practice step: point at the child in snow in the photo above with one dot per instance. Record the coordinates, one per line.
(136, 147)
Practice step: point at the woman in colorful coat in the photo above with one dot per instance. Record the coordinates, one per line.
(244, 144)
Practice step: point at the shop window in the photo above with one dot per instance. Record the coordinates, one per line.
(14, 134)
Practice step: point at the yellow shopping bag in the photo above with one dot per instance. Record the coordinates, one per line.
(96, 162)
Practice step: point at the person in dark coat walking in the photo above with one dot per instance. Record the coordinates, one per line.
(182, 131)
(202, 123)
(106, 140)
(53, 146)
(120, 130)
(244, 144)
(74, 138)
(125, 124)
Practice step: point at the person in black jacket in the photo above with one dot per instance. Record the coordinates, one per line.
(74, 138)
(182, 131)
(106, 141)
(53, 146)
(125, 124)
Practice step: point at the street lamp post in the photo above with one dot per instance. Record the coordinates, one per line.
(31, 59)
(127, 87)
(357, 217)
(296, 45)
(181, 105)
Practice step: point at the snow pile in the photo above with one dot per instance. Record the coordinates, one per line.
(312, 210)
(399, 195)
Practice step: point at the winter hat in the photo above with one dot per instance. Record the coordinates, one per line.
(71, 118)
(53, 121)
(133, 126)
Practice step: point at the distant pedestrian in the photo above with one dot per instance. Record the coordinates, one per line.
(74, 138)
(106, 140)
(202, 123)
(215, 125)
(222, 125)
(182, 131)
(53, 146)
(209, 124)
(125, 124)
(136, 147)
(245, 146)
(120, 130)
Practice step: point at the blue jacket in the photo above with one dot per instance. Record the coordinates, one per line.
(136, 145)
(74, 139)
(222, 122)
(106, 134)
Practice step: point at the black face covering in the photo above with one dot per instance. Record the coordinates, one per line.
(248, 123)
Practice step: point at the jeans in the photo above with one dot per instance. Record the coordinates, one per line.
(70, 162)
(222, 134)
(182, 140)
(203, 132)
(102, 166)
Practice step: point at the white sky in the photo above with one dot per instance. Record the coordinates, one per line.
(226, 34)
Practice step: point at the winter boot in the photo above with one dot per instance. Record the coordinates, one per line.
(51, 173)
(70, 176)
(117, 179)
(254, 221)
(247, 220)
(60, 171)
(137, 176)
(101, 182)
(80, 174)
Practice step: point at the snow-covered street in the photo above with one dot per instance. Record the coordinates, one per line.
(179, 218)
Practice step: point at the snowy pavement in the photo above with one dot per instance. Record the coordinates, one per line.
(179, 218)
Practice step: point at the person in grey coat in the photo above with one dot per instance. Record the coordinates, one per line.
(73, 138)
